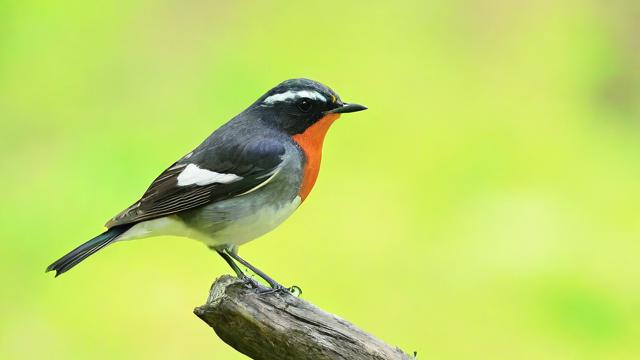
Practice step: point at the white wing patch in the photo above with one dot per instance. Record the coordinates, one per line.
(192, 174)
(294, 94)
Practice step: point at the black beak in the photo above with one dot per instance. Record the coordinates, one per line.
(347, 108)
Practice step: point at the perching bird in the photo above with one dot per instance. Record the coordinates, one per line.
(244, 180)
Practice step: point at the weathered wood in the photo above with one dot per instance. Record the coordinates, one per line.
(277, 325)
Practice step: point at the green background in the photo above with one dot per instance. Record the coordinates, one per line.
(485, 207)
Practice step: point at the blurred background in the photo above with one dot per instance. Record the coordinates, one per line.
(486, 206)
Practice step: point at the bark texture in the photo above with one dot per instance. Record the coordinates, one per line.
(277, 325)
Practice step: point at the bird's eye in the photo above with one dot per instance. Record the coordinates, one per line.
(304, 104)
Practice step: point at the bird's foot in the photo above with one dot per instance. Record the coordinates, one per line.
(251, 282)
(277, 288)
(274, 287)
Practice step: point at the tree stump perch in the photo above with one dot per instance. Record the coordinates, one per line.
(277, 325)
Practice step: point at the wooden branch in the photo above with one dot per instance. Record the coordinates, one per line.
(277, 325)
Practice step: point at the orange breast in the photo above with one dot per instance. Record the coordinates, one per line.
(311, 143)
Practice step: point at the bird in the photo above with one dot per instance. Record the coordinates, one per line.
(241, 182)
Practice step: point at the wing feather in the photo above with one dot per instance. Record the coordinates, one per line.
(254, 163)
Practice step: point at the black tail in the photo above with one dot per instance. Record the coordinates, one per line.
(85, 250)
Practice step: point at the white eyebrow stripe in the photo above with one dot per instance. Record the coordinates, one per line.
(294, 94)
(192, 174)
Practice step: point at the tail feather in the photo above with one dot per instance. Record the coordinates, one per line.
(75, 256)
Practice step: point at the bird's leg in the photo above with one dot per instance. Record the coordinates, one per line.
(274, 285)
(234, 266)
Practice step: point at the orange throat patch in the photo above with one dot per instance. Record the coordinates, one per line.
(311, 143)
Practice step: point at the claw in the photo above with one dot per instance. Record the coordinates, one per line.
(267, 291)
(251, 282)
(277, 288)
(295, 290)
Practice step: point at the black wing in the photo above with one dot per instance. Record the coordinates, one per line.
(244, 167)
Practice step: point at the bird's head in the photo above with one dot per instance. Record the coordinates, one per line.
(295, 105)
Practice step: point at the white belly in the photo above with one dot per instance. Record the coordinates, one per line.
(259, 223)
(238, 232)
(165, 226)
